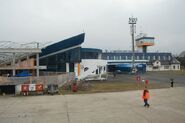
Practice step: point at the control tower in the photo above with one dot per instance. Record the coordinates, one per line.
(143, 41)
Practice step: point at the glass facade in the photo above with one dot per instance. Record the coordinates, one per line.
(57, 55)
(58, 61)
(90, 53)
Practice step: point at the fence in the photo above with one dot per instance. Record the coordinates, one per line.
(59, 79)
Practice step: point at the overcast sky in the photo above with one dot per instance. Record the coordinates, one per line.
(105, 22)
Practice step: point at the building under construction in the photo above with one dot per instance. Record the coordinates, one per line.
(66, 61)
(58, 63)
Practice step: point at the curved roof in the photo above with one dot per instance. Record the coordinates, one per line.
(64, 44)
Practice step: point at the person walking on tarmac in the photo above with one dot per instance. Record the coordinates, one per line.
(171, 82)
(114, 73)
(146, 96)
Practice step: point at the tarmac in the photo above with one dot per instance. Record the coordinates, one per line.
(167, 106)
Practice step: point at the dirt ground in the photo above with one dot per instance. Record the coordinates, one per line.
(125, 82)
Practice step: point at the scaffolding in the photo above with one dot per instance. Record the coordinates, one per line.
(13, 52)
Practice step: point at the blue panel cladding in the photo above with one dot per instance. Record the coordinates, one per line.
(67, 43)
(127, 67)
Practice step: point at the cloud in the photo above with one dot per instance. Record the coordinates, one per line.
(105, 22)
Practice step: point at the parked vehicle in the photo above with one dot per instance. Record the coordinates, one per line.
(53, 89)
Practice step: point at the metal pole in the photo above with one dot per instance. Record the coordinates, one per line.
(13, 64)
(132, 21)
(37, 61)
(133, 49)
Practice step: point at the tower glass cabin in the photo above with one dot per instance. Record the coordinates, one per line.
(143, 41)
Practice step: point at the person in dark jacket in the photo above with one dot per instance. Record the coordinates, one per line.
(171, 82)
(114, 73)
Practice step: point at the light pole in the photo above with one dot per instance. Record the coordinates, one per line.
(132, 22)
(37, 60)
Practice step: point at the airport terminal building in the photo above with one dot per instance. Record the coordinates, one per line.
(67, 60)
(154, 61)
(68, 56)
(143, 60)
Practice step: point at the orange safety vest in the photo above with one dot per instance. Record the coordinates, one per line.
(146, 96)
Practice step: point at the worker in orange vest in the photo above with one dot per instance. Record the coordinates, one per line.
(146, 96)
(147, 82)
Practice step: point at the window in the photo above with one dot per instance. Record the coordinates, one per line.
(166, 67)
(129, 57)
(96, 71)
(123, 57)
(85, 69)
(100, 70)
(169, 58)
(111, 58)
(107, 57)
(134, 57)
(137, 57)
(174, 67)
(116, 57)
(153, 57)
(89, 55)
(164, 58)
(140, 57)
(148, 57)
